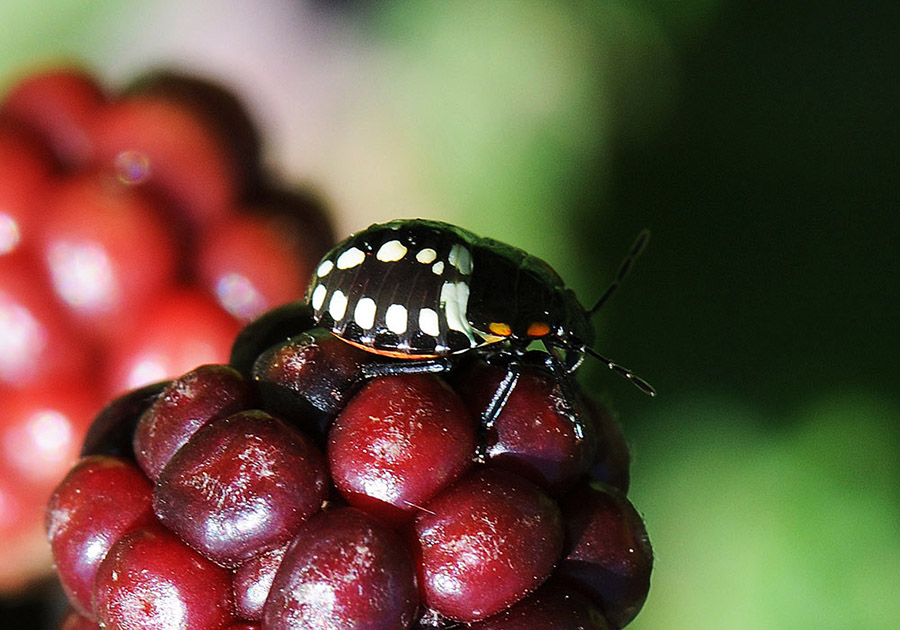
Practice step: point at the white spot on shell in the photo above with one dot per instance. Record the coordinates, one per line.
(438, 268)
(337, 307)
(351, 258)
(318, 296)
(455, 303)
(428, 322)
(391, 251)
(396, 318)
(464, 264)
(426, 256)
(325, 268)
(460, 258)
(364, 313)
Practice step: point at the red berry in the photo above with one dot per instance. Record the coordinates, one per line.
(41, 429)
(398, 442)
(112, 431)
(214, 105)
(108, 251)
(35, 341)
(185, 405)
(249, 527)
(152, 142)
(99, 282)
(613, 461)
(309, 375)
(153, 581)
(271, 329)
(240, 485)
(485, 543)
(58, 106)
(608, 553)
(181, 330)
(95, 504)
(25, 170)
(344, 570)
(245, 283)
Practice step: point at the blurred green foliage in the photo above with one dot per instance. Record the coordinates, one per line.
(773, 196)
(755, 528)
(37, 32)
(767, 302)
(502, 107)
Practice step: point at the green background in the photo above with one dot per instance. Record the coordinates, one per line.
(760, 144)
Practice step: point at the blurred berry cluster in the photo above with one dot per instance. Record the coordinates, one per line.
(138, 232)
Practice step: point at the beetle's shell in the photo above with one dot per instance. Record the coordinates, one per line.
(399, 288)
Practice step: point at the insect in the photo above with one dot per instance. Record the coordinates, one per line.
(425, 291)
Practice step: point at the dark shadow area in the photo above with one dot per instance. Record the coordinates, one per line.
(772, 195)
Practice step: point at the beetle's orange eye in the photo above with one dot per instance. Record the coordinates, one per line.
(500, 329)
(538, 329)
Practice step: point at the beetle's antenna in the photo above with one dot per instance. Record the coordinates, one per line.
(640, 383)
(639, 243)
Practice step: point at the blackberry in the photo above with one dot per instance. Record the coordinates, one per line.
(297, 491)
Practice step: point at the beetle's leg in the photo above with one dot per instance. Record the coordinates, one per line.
(440, 365)
(368, 371)
(495, 406)
(437, 365)
(563, 375)
(572, 360)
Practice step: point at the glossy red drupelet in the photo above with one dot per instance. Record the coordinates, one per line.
(152, 580)
(550, 608)
(88, 233)
(26, 168)
(36, 344)
(608, 554)
(157, 143)
(229, 265)
(253, 581)
(484, 543)
(531, 437)
(240, 485)
(344, 569)
(391, 459)
(57, 105)
(99, 500)
(185, 405)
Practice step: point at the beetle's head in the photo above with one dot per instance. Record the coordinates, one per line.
(522, 298)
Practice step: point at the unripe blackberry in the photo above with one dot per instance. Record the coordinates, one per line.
(137, 235)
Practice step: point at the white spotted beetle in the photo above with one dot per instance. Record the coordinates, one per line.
(423, 291)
